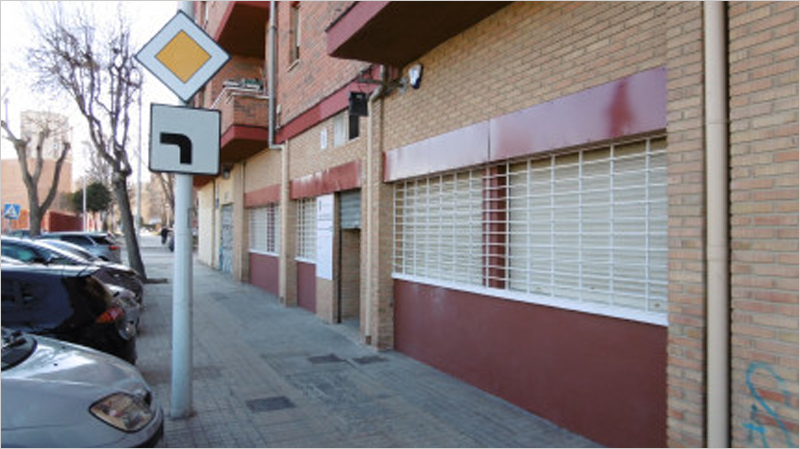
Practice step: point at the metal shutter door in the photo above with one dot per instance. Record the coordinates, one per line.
(350, 209)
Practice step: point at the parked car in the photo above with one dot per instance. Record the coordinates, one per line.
(67, 303)
(21, 233)
(73, 248)
(127, 300)
(57, 394)
(101, 244)
(53, 252)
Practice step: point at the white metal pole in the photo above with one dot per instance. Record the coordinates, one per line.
(137, 224)
(182, 300)
(181, 403)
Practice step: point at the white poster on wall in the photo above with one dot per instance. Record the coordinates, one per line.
(325, 237)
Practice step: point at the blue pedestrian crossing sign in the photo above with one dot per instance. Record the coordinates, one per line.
(11, 211)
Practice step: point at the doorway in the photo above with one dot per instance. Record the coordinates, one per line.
(349, 258)
(226, 239)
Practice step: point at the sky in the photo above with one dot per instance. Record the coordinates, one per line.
(147, 18)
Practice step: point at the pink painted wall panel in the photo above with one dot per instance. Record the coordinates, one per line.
(262, 197)
(336, 179)
(307, 286)
(627, 107)
(460, 148)
(602, 377)
(264, 272)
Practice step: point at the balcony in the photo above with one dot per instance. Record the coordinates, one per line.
(397, 33)
(244, 108)
(244, 127)
(242, 28)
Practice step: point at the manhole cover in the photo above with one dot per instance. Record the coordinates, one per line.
(330, 358)
(369, 359)
(269, 404)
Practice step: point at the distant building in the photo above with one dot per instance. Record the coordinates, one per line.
(59, 216)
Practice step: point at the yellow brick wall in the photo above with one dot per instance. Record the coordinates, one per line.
(263, 170)
(308, 158)
(526, 54)
(763, 57)
(315, 75)
(686, 170)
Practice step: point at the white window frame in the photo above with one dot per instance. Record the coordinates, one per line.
(295, 30)
(640, 205)
(306, 250)
(438, 227)
(343, 131)
(258, 231)
(264, 229)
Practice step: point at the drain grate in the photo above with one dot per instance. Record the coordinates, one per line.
(269, 404)
(369, 359)
(330, 358)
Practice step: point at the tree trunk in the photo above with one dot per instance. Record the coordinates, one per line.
(34, 218)
(131, 240)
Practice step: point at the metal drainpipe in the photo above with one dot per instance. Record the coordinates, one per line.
(717, 238)
(368, 315)
(271, 77)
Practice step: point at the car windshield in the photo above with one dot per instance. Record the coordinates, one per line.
(71, 248)
(102, 240)
(63, 257)
(17, 347)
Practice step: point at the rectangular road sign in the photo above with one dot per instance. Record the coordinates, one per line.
(182, 56)
(184, 140)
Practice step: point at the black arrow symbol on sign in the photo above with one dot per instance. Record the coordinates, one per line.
(183, 142)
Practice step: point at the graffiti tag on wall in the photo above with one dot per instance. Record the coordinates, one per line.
(761, 413)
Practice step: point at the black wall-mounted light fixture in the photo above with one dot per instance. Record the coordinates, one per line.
(226, 171)
(358, 104)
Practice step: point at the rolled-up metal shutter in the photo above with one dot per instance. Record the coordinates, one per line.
(226, 239)
(350, 209)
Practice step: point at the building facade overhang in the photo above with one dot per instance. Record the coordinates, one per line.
(240, 142)
(242, 30)
(237, 143)
(397, 33)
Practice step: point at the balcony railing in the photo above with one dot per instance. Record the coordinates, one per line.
(242, 104)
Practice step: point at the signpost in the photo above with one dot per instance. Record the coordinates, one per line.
(10, 212)
(183, 141)
(182, 56)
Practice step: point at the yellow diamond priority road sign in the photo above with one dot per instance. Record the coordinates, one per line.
(182, 56)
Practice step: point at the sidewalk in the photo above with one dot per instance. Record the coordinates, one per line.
(270, 376)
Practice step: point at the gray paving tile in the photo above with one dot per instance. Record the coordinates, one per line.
(253, 357)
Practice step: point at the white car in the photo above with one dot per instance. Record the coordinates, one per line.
(101, 244)
(57, 394)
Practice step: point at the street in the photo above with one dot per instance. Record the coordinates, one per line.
(265, 375)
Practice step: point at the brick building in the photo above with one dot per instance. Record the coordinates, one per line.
(59, 216)
(587, 209)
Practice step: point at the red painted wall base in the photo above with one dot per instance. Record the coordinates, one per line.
(264, 272)
(604, 378)
(307, 286)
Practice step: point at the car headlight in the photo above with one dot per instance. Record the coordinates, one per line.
(123, 411)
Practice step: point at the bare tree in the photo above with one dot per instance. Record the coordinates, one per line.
(46, 128)
(99, 169)
(167, 183)
(97, 72)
